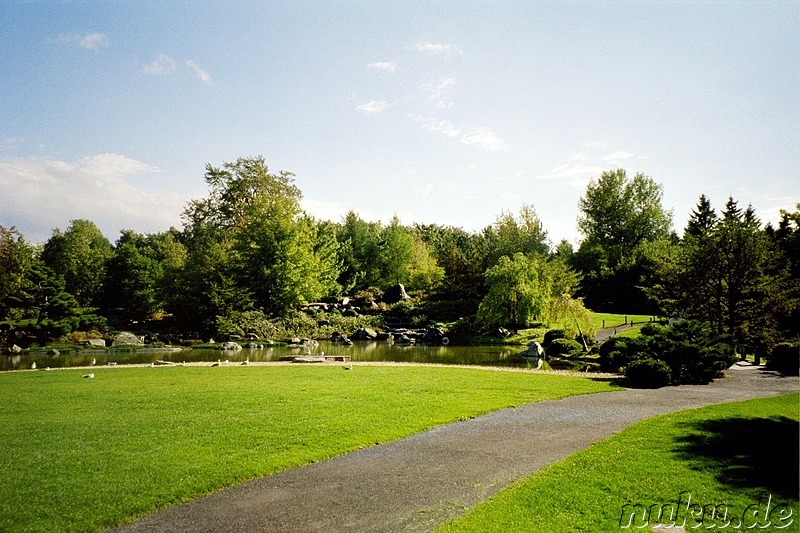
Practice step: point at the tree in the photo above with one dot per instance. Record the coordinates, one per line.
(359, 251)
(250, 245)
(731, 276)
(79, 254)
(16, 259)
(509, 235)
(519, 292)
(619, 216)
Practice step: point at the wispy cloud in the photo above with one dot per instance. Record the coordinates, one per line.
(373, 107)
(162, 65)
(426, 47)
(199, 73)
(478, 136)
(383, 66)
(580, 168)
(439, 94)
(104, 188)
(87, 41)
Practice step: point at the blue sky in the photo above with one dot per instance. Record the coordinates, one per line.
(438, 112)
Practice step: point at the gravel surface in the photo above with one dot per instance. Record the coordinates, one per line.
(419, 482)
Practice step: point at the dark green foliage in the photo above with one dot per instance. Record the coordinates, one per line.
(564, 348)
(552, 335)
(693, 353)
(648, 373)
(785, 358)
(620, 218)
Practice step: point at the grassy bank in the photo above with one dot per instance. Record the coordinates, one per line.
(85, 454)
(730, 456)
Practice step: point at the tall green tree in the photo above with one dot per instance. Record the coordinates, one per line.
(619, 216)
(250, 245)
(79, 254)
(359, 250)
(510, 235)
(16, 259)
(731, 276)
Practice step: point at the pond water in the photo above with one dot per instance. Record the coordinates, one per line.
(359, 351)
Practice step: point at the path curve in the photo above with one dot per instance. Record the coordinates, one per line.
(417, 483)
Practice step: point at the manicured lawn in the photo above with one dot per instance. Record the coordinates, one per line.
(725, 458)
(612, 320)
(84, 454)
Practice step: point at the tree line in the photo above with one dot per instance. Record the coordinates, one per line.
(248, 247)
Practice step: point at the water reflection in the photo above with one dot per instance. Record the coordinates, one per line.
(359, 351)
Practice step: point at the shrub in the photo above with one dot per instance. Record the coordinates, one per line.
(648, 373)
(688, 347)
(785, 358)
(552, 335)
(563, 347)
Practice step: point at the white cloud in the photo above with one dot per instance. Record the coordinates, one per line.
(384, 66)
(87, 41)
(436, 48)
(41, 194)
(161, 65)
(373, 107)
(199, 73)
(617, 156)
(438, 94)
(484, 138)
(478, 136)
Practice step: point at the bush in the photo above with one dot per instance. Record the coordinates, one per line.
(648, 373)
(785, 358)
(563, 347)
(692, 353)
(552, 335)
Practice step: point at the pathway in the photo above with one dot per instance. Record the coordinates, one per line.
(419, 482)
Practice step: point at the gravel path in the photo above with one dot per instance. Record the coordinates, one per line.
(419, 482)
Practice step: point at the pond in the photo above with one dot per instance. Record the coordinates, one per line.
(488, 355)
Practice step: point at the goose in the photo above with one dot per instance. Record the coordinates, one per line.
(348, 367)
(33, 365)
(217, 363)
(246, 362)
(88, 375)
(94, 362)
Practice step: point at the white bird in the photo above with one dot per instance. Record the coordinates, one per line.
(33, 365)
(94, 362)
(348, 367)
(88, 375)
(217, 363)
(246, 362)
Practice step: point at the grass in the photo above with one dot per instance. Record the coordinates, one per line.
(729, 456)
(85, 454)
(616, 319)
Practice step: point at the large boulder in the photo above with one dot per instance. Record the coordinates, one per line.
(127, 338)
(365, 334)
(96, 343)
(231, 346)
(395, 293)
(534, 350)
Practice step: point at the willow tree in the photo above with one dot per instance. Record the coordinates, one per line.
(519, 292)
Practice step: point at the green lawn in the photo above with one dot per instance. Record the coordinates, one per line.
(84, 454)
(613, 319)
(725, 457)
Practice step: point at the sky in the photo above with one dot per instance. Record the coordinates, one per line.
(439, 112)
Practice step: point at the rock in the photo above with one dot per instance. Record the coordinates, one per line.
(231, 346)
(251, 345)
(15, 349)
(100, 343)
(365, 334)
(337, 336)
(395, 293)
(534, 350)
(127, 338)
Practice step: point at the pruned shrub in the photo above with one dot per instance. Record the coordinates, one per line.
(564, 348)
(785, 358)
(552, 335)
(648, 373)
(692, 353)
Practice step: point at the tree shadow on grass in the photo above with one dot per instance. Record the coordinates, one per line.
(747, 453)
